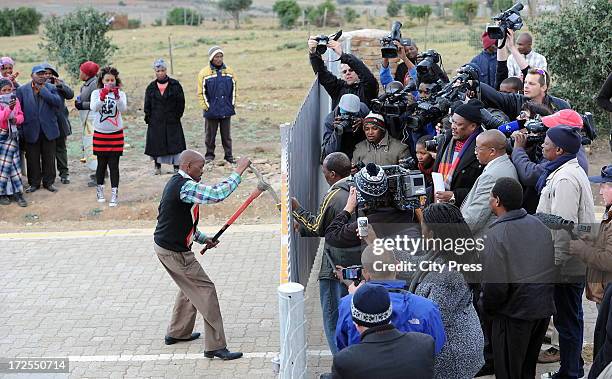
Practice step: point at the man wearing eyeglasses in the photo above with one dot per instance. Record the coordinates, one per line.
(356, 78)
(598, 257)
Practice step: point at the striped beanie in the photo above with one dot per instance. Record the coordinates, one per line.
(213, 51)
(376, 120)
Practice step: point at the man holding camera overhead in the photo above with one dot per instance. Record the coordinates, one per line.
(356, 77)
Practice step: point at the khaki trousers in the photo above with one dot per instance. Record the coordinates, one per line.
(196, 294)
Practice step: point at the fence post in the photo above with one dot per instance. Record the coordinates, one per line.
(170, 51)
(292, 331)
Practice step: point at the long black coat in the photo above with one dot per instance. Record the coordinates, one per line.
(163, 116)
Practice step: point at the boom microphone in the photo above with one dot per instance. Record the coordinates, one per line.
(509, 128)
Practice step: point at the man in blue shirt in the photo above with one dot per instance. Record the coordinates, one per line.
(411, 313)
(486, 61)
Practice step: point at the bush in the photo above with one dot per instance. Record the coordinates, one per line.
(578, 68)
(158, 22)
(350, 15)
(234, 7)
(77, 37)
(465, 10)
(502, 5)
(393, 8)
(421, 12)
(288, 12)
(134, 24)
(19, 21)
(315, 15)
(183, 16)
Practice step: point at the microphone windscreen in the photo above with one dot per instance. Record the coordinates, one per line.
(509, 127)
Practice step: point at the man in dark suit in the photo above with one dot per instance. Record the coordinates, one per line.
(40, 104)
(456, 157)
(384, 352)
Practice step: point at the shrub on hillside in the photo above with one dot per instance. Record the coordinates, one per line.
(288, 12)
(576, 43)
(19, 21)
(77, 37)
(350, 15)
(465, 10)
(183, 16)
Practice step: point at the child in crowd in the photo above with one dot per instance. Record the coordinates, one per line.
(11, 117)
(425, 159)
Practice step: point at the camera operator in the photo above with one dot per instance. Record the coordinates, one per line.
(343, 126)
(456, 157)
(378, 147)
(410, 312)
(356, 77)
(406, 69)
(376, 357)
(535, 88)
(523, 48)
(336, 170)
(529, 165)
(387, 221)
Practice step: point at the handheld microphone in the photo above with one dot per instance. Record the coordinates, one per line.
(509, 128)
(554, 222)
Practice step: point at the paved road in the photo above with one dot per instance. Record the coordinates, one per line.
(103, 300)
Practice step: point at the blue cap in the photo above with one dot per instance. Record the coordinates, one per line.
(604, 177)
(39, 68)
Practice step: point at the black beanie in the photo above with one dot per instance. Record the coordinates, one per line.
(470, 111)
(566, 138)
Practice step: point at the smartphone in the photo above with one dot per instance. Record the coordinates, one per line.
(362, 226)
(351, 273)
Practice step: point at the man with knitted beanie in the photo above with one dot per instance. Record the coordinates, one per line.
(217, 97)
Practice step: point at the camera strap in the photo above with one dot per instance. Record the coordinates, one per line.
(329, 260)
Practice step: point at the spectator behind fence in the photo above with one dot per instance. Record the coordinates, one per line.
(411, 313)
(456, 157)
(384, 351)
(491, 153)
(63, 121)
(217, 96)
(529, 161)
(164, 105)
(336, 170)
(378, 147)
(340, 134)
(565, 192)
(518, 282)
(461, 355)
(511, 85)
(356, 77)
(523, 46)
(7, 65)
(598, 257)
(88, 74)
(486, 61)
(40, 103)
(11, 118)
(108, 102)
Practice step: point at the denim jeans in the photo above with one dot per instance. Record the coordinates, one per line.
(330, 293)
(569, 322)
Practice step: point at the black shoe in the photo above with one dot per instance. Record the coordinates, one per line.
(31, 189)
(92, 183)
(5, 200)
(171, 340)
(65, 180)
(224, 354)
(51, 188)
(486, 370)
(21, 201)
(230, 160)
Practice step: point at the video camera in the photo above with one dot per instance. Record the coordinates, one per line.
(395, 101)
(428, 70)
(442, 96)
(323, 40)
(507, 20)
(433, 144)
(345, 122)
(388, 48)
(405, 191)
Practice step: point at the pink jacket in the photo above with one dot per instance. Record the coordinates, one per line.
(5, 113)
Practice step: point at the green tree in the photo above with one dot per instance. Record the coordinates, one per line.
(316, 15)
(77, 37)
(288, 12)
(183, 16)
(350, 15)
(502, 5)
(393, 8)
(234, 7)
(421, 12)
(465, 10)
(576, 43)
(19, 21)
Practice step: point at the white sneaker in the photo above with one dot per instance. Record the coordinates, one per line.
(100, 193)
(114, 197)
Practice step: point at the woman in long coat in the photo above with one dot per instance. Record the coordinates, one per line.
(164, 105)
